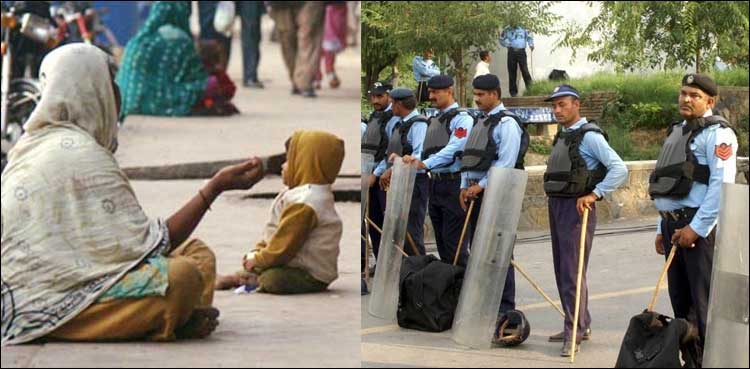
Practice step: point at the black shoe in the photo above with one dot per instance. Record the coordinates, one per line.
(561, 336)
(296, 91)
(253, 84)
(567, 348)
(364, 288)
(309, 93)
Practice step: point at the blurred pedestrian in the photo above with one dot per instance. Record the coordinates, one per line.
(334, 41)
(424, 69)
(300, 27)
(161, 73)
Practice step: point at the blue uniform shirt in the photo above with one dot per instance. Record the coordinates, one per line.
(380, 168)
(594, 149)
(415, 138)
(424, 69)
(440, 162)
(706, 198)
(516, 38)
(507, 137)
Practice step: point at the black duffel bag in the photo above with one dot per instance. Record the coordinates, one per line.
(428, 293)
(656, 341)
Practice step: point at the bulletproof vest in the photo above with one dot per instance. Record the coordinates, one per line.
(676, 167)
(567, 174)
(439, 132)
(398, 143)
(375, 140)
(481, 150)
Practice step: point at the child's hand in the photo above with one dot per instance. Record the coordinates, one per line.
(248, 262)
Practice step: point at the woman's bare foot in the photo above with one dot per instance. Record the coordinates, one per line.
(201, 324)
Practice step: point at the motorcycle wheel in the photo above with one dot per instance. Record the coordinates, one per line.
(22, 100)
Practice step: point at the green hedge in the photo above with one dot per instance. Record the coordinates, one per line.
(643, 101)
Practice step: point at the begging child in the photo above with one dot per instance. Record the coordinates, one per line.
(220, 89)
(299, 248)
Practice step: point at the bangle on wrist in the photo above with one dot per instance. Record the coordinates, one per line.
(205, 200)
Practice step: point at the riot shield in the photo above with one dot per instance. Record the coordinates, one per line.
(727, 324)
(384, 297)
(490, 257)
(367, 166)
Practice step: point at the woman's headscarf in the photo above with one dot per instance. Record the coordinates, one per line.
(71, 224)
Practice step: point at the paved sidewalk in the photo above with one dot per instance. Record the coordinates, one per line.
(255, 330)
(623, 271)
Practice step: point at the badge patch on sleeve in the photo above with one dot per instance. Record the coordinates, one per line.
(460, 132)
(723, 151)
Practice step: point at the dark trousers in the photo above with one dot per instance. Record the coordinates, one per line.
(448, 219)
(250, 13)
(376, 212)
(422, 93)
(417, 213)
(690, 276)
(206, 12)
(565, 227)
(517, 58)
(508, 301)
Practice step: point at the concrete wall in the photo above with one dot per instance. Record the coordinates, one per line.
(734, 103)
(629, 201)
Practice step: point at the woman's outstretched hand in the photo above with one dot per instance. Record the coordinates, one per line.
(234, 177)
(241, 176)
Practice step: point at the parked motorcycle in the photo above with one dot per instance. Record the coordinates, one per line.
(78, 21)
(19, 94)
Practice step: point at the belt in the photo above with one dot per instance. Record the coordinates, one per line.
(444, 176)
(679, 214)
(517, 49)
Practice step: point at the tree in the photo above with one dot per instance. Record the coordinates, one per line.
(664, 34)
(455, 30)
(378, 50)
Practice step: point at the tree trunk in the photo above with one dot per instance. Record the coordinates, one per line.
(457, 59)
(394, 74)
(698, 60)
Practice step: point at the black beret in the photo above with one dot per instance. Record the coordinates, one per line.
(439, 82)
(379, 88)
(702, 82)
(399, 93)
(486, 82)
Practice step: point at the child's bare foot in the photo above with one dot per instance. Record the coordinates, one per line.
(227, 282)
(201, 324)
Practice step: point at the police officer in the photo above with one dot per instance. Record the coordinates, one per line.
(506, 149)
(443, 144)
(375, 142)
(515, 39)
(581, 169)
(423, 68)
(407, 138)
(697, 157)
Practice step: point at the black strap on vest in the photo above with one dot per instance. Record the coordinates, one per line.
(690, 169)
(381, 147)
(579, 172)
(404, 129)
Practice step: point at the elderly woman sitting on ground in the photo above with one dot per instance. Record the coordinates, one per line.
(80, 259)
